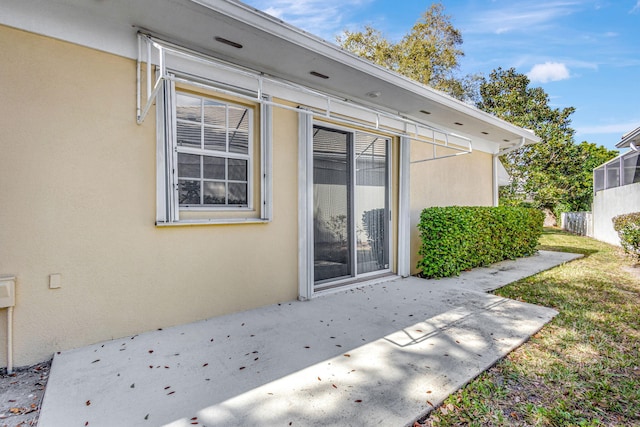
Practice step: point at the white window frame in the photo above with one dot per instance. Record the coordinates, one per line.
(168, 210)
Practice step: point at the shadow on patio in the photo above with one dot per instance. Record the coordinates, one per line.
(380, 354)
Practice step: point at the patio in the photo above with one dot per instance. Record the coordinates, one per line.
(373, 354)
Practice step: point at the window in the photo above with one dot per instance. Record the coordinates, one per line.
(213, 157)
(214, 153)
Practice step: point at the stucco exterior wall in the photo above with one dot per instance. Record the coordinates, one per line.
(77, 185)
(610, 203)
(78, 199)
(464, 180)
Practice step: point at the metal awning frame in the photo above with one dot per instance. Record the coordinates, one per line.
(154, 52)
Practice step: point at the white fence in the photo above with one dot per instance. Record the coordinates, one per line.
(578, 223)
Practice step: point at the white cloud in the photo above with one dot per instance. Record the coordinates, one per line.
(324, 18)
(548, 72)
(618, 128)
(636, 7)
(522, 16)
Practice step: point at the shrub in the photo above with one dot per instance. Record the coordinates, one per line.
(459, 238)
(628, 228)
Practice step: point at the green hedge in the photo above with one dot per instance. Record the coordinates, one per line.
(628, 228)
(459, 238)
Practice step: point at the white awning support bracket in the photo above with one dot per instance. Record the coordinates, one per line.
(154, 53)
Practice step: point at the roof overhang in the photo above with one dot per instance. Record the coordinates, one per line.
(268, 45)
(630, 140)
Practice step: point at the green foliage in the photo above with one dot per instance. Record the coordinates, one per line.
(459, 238)
(555, 174)
(628, 228)
(428, 54)
(581, 369)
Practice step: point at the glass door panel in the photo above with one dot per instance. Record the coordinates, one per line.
(331, 204)
(350, 204)
(371, 203)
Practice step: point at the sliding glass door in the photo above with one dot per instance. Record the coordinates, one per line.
(350, 204)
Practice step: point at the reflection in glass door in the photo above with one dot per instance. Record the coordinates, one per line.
(371, 215)
(331, 200)
(350, 204)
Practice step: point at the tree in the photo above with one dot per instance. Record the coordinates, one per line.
(428, 54)
(555, 174)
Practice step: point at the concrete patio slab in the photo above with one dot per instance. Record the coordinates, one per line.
(381, 354)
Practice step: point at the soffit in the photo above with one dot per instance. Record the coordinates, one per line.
(629, 138)
(268, 45)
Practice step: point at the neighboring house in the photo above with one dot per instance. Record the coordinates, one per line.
(165, 161)
(616, 185)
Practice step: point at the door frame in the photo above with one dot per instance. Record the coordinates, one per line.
(306, 283)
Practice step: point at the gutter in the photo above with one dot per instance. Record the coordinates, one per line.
(502, 152)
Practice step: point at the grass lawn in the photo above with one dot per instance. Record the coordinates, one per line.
(583, 368)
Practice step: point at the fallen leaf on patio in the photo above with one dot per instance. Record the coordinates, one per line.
(346, 355)
(146, 417)
(334, 386)
(171, 392)
(358, 400)
(97, 360)
(133, 385)
(150, 351)
(15, 410)
(194, 418)
(418, 330)
(167, 387)
(428, 391)
(242, 367)
(206, 364)
(429, 402)
(86, 423)
(319, 379)
(88, 402)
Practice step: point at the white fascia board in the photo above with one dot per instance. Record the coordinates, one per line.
(70, 21)
(281, 29)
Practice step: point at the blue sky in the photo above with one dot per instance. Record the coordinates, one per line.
(584, 53)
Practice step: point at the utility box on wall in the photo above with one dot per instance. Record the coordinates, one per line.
(7, 291)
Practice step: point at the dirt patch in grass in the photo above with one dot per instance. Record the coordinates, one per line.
(583, 368)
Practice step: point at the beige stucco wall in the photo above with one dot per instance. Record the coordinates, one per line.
(465, 180)
(77, 194)
(77, 191)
